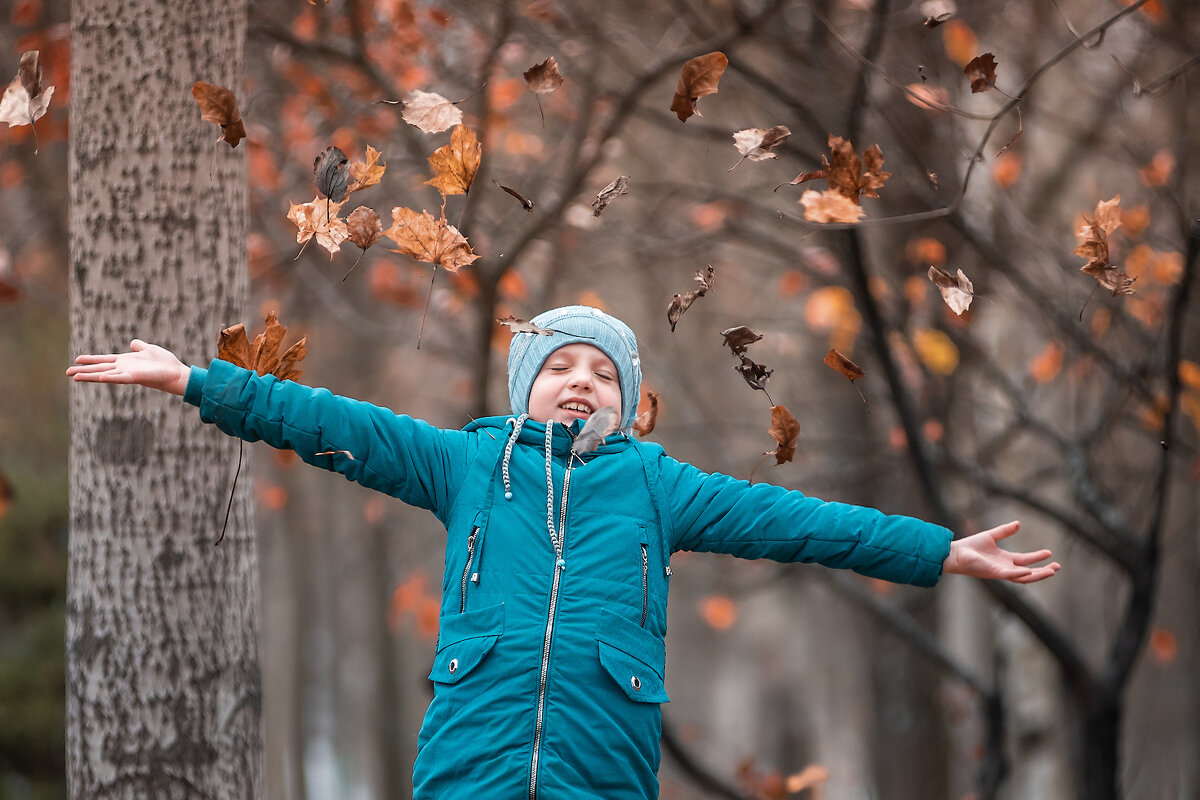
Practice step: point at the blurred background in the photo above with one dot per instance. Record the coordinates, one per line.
(1051, 399)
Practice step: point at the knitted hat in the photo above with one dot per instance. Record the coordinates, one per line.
(572, 324)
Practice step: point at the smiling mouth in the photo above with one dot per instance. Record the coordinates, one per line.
(578, 408)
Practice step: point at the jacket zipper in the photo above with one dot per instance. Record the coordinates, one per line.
(467, 568)
(541, 702)
(645, 584)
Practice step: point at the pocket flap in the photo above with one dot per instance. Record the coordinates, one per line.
(464, 640)
(633, 657)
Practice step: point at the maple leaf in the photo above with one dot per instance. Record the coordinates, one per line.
(601, 423)
(618, 187)
(262, 355)
(646, 420)
(25, 99)
(830, 206)
(982, 72)
(785, 430)
(427, 239)
(456, 164)
(682, 302)
(956, 290)
(367, 173)
(330, 173)
(521, 326)
(543, 78)
(217, 104)
(738, 338)
(756, 143)
(844, 170)
(1093, 246)
(698, 78)
(430, 112)
(319, 219)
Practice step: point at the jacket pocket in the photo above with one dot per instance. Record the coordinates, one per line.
(633, 657)
(463, 642)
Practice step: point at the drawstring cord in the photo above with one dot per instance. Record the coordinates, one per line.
(518, 422)
(554, 540)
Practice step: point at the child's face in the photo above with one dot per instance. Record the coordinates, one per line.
(573, 382)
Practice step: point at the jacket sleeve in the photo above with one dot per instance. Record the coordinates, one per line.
(716, 513)
(394, 454)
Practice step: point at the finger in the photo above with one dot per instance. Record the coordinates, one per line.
(1004, 531)
(96, 358)
(137, 345)
(1028, 559)
(1040, 574)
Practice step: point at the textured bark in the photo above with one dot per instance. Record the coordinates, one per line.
(163, 684)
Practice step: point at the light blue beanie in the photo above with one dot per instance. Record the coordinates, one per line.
(572, 324)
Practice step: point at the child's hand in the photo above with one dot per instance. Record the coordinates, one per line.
(146, 365)
(980, 557)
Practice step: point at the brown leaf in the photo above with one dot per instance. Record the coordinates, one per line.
(525, 204)
(430, 112)
(839, 363)
(981, 70)
(645, 422)
(618, 187)
(363, 227)
(682, 302)
(217, 104)
(433, 241)
(319, 218)
(756, 143)
(543, 78)
(844, 169)
(830, 206)
(1093, 245)
(785, 430)
(698, 78)
(739, 338)
(957, 290)
(263, 355)
(366, 173)
(755, 374)
(455, 164)
(234, 347)
(521, 326)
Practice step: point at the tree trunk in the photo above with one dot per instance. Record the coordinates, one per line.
(1100, 745)
(163, 685)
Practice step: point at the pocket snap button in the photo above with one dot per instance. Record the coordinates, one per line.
(636, 683)
(453, 666)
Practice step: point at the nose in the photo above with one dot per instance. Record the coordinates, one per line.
(581, 378)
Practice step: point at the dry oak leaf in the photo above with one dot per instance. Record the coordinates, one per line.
(830, 206)
(26, 99)
(957, 290)
(698, 78)
(217, 104)
(982, 71)
(682, 302)
(521, 326)
(430, 112)
(618, 187)
(739, 338)
(319, 219)
(785, 430)
(366, 173)
(645, 422)
(427, 239)
(756, 143)
(456, 164)
(543, 78)
(1093, 245)
(262, 355)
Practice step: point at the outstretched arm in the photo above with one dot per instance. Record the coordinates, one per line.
(145, 364)
(979, 556)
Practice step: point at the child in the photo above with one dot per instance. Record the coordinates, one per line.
(549, 667)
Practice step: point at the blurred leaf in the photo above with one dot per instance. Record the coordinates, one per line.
(698, 78)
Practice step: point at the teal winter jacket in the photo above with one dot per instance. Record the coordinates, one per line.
(550, 658)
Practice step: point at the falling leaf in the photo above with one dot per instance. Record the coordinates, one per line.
(433, 241)
(456, 164)
(367, 173)
(982, 72)
(739, 338)
(262, 355)
(319, 219)
(217, 104)
(756, 143)
(430, 112)
(785, 430)
(618, 187)
(755, 374)
(26, 99)
(521, 326)
(646, 420)
(830, 206)
(363, 227)
(937, 12)
(1093, 246)
(543, 78)
(848, 174)
(682, 302)
(698, 78)
(525, 204)
(601, 423)
(839, 363)
(936, 351)
(956, 290)
(330, 173)
(719, 611)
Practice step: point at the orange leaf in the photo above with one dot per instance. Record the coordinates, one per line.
(645, 422)
(1006, 169)
(830, 206)
(262, 355)
(698, 78)
(936, 351)
(719, 611)
(456, 164)
(785, 430)
(217, 104)
(1047, 365)
(433, 241)
(319, 218)
(366, 173)
(1163, 646)
(839, 363)
(959, 41)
